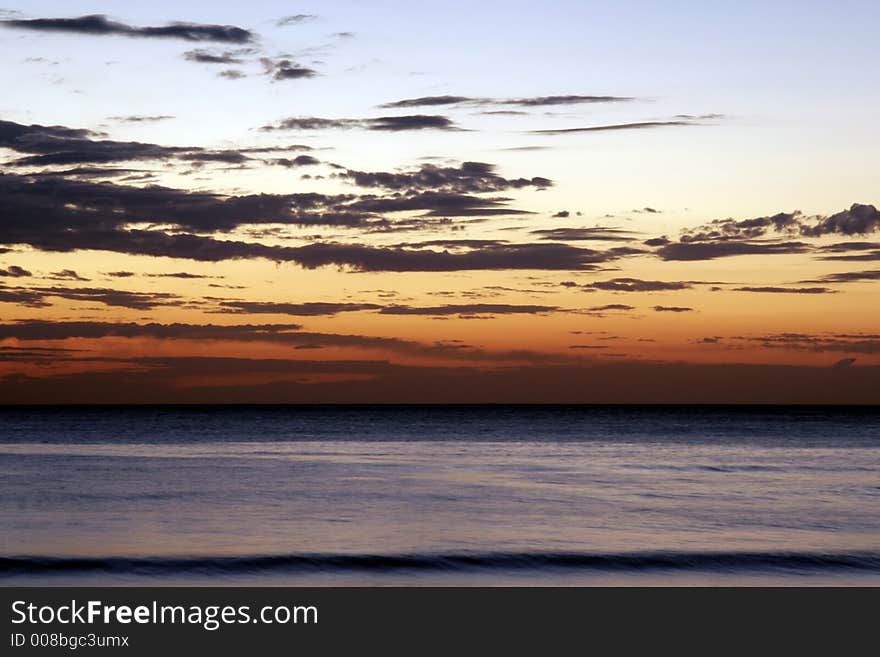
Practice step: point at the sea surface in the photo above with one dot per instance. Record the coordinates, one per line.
(439, 495)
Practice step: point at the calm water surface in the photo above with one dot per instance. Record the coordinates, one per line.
(435, 495)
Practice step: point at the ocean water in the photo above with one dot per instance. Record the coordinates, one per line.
(448, 495)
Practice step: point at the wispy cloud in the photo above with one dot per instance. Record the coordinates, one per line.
(286, 69)
(534, 101)
(595, 234)
(469, 309)
(308, 309)
(848, 277)
(138, 118)
(296, 19)
(769, 289)
(643, 125)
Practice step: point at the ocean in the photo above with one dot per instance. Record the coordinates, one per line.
(439, 495)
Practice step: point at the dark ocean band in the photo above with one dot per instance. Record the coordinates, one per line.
(720, 562)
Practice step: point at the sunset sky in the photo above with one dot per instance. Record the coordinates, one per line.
(391, 202)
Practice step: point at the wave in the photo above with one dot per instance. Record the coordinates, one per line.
(722, 562)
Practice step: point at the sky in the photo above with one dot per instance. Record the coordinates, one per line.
(381, 202)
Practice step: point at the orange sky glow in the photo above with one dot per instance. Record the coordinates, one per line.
(288, 227)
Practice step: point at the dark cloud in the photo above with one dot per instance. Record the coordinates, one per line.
(34, 354)
(620, 126)
(845, 247)
(100, 25)
(435, 204)
(285, 69)
(231, 74)
(50, 145)
(283, 334)
(382, 123)
(711, 250)
(611, 306)
(60, 145)
(177, 274)
(56, 213)
(229, 157)
(786, 290)
(470, 177)
(540, 101)
(452, 244)
(309, 309)
(427, 101)
(562, 214)
(208, 57)
(22, 297)
(118, 298)
(855, 343)
(468, 309)
(48, 330)
(310, 123)
(66, 275)
(37, 297)
(600, 234)
(120, 274)
(46, 210)
(849, 277)
(672, 309)
(843, 363)
(414, 122)
(851, 252)
(109, 297)
(510, 257)
(729, 237)
(637, 285)
(299, 161)
(858, 220)
(14, 271)
(870, 256)
(747, 229)
(62, 215)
